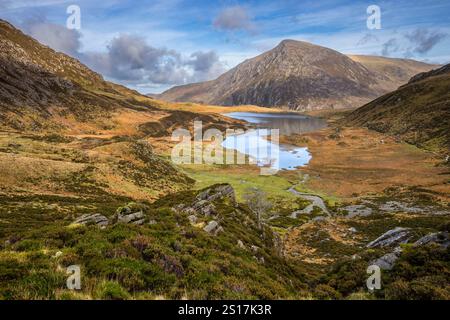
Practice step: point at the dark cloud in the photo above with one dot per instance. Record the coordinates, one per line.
(390, 47)
(424, 40)
(234, 18)
(203, 61)
(53, 35)
(130, 58)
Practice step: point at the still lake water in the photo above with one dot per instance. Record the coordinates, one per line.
(257, 145)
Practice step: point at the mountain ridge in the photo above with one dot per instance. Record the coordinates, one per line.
(300, 76)
(416, 112)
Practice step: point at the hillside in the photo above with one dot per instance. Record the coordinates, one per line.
(393, 72)
(44, 90)
(417, 112)
(301, 76)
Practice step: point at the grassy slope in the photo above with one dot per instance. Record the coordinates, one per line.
(168, 259)
(417, 112)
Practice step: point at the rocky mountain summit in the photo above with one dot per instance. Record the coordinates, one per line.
(301, 76)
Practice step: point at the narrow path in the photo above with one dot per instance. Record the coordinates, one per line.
(316, 201)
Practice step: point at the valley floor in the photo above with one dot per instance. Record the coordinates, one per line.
(367, 184)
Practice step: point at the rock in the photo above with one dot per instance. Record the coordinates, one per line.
(254, 248)
(396, 206)
(353, 230)
(387, 261)
(192, 219)
(139, 222)
(135, 218)
(357, 210)
(203, 203)
(240, 244)
(440, 238)
(213, 228)
(57, 255)
(204, 207)
(92, 219)
(218, 192)
(319, 218)
(390, 238)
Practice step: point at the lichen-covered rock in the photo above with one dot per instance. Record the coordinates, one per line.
(135, 218)
(440, 238)
(391, 238)
(387, 261)
(203, 203)
(92, 219)
(213, 228)
(204, 207)
(218, 192)
(132, 213)
(193, 219)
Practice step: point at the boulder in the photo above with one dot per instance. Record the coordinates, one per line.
(218, 192)
(92, 219)
(387, 261)
(135, 218)
(204, 207)
(203, 203)
(213, 228)
(440, 238)
(193, 219)
(391, 238)
(241, 245)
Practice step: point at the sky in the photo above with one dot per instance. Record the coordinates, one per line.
(151, 46)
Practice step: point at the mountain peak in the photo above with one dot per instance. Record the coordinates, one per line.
(298, 75)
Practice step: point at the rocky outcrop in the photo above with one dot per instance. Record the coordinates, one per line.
(133, 213)
(134, 218)
(391, 238)
(92, 219)
(203, 204)
(440, 238)
(213, 228)
(388, 261)
(129, 214)
(218, 192)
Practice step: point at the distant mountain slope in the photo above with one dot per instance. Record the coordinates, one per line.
(418, 112)
(395, 72)
(301, 76)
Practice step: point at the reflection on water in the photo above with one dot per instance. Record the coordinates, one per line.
(265, 153)
(268, 153)
(287, 123)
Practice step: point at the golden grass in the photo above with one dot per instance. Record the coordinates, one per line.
(364, 162)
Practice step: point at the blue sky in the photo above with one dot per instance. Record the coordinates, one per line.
(153, 45)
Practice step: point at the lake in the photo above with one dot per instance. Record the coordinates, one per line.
(258, 143)
(287, 123)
